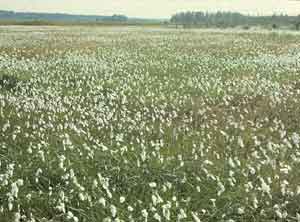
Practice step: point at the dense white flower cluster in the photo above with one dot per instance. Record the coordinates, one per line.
(134, 124)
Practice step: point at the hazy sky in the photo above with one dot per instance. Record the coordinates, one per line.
(152, 8)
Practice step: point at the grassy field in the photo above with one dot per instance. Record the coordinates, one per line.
(144, 124)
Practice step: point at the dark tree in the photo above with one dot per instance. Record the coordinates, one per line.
(274, 26)
(298, 23)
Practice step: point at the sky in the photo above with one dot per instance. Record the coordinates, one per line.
(152, 8)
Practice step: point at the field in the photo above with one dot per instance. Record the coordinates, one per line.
(149, 124)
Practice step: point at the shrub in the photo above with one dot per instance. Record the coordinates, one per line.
(8, 82)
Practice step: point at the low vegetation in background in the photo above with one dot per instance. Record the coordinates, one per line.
(133, 124)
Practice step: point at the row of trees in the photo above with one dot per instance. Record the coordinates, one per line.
(232, 19)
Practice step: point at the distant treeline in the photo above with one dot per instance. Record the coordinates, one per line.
(54, 17)
(33, 18)
(233, 19)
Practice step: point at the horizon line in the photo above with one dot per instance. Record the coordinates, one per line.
(257, 14)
